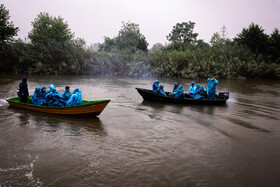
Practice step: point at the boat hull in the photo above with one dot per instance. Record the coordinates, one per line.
(93, 108)
(150, 96)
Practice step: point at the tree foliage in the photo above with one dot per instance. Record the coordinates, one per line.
(7, 28)
(182, 34)
(52, 40)
(52, 49)
(7, 33)
(274, 49)
(254, 38)
(128, 39)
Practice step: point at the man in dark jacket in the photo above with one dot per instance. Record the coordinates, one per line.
(23, 90)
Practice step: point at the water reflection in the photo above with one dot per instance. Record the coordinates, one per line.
(52, 123)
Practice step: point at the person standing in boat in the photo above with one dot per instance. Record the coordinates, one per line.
(155, 86)
(23, 90)
(212, 83)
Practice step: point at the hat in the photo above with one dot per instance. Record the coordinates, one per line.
(157, 81)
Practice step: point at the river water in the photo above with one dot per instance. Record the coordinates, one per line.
(140, 143)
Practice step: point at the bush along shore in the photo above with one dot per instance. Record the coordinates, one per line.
(51, 48)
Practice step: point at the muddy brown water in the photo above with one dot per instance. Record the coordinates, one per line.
(140, 143)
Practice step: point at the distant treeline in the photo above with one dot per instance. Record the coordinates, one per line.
(51, 48)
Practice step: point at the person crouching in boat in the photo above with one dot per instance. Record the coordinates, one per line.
(37, 98)
(43, 92)
(191, 91)
(179, 92)
(175, 87)
(66, 94)
(199, 92)
(54, 98)
(212, 83)
(23, 90)
(160, 91)
(51, 88)
(75, 99)
(155, 86)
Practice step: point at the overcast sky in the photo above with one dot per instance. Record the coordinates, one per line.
(94, 19)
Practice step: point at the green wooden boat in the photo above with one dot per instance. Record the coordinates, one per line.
(93, 108)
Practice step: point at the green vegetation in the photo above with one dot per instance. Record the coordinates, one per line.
(51, 48)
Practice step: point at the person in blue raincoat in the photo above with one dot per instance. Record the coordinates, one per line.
(54, 98)
(204, 91)
(179, 92)
(43, 92)
(66, 94)
(198, 94)
(155, 86)
(75, 99)
(175, 87)
(51, 88)
(212, 83)
(191, 90)
(161, 91)
(36, 98)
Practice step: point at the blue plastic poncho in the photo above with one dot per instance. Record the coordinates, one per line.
(43, 93)
(204, 90)
(75, 99)
(175, 86)
(192, 88)
(161, 91)
(36, 98)
(155, 86)
(198, 92)
(212, 88)
(51, 88)
(179, 92)
(54, 99)
(66, 95)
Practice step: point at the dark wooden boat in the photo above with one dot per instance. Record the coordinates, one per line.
(222, 97)
(93, 108)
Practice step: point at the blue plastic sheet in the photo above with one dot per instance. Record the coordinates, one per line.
(75, 99)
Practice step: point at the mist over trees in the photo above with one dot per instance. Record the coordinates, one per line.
(51, 48)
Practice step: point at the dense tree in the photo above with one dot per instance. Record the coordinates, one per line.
(131, 39)
(274, 50)
(7, 28)
(51, 39)
(7, 33)
(217, 40)
(182, 34)
(254, 38)
(156, 47)
(109, 45)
